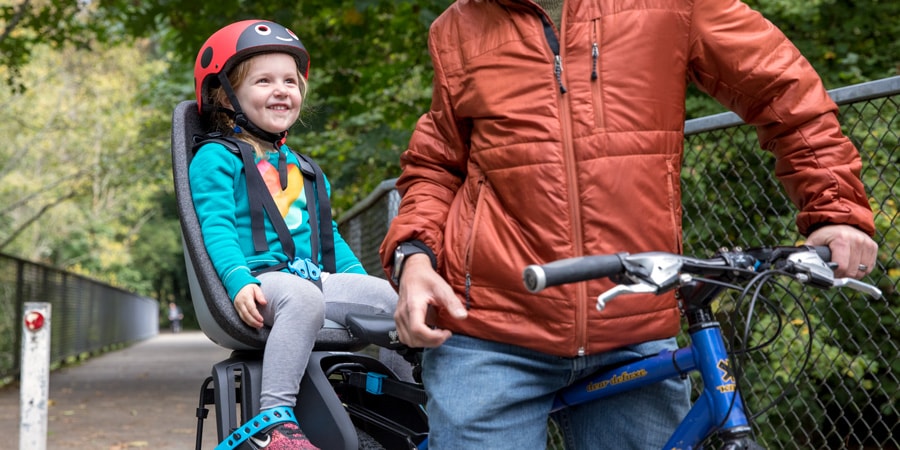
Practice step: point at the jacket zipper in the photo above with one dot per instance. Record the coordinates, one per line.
(596, 88)
(672, 176)
(571, 180)
(553, 42)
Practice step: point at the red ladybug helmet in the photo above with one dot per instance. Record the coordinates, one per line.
(237, 42)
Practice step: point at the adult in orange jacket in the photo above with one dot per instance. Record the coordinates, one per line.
(555, 131)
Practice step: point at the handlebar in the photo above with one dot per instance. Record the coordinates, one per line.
(573, 269)
(658, 272)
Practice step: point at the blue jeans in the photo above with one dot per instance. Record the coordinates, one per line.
(484, 394)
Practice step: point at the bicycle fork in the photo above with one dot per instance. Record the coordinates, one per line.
(719, 408)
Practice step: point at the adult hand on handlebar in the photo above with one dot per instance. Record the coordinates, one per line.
(421, 289)
(852, 249)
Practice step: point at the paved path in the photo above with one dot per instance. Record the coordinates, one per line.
(142, 397)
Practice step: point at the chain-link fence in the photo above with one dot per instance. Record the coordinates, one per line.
(831, 379)
(847, 395)
(86, 316)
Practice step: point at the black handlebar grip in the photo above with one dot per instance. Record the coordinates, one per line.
(823, 251)
(538, 277)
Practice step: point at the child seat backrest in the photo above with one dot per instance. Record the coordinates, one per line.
(215, 311)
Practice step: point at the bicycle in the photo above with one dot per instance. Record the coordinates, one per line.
(719, 411)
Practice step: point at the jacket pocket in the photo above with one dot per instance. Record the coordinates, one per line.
(596, 79)
(470, 244)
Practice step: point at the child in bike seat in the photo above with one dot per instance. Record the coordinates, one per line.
(265, 216)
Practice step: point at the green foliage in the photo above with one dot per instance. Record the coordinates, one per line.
(26, 26)
(365, 99)
(847, 41)
(73, 184)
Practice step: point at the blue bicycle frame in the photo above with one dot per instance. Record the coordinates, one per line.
(719, 407)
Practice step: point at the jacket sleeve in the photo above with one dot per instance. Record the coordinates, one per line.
(748, 65)
(434, 167)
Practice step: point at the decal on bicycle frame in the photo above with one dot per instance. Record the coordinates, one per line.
(616, 379)
(727, 376)
(304, 268)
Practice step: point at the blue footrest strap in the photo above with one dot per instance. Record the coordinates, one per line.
(262, 421)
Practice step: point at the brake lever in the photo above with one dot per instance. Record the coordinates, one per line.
(623, 289)
(857, 285)
(650, 273)
(810, 268)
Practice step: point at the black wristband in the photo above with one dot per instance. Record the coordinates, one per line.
(405, 250)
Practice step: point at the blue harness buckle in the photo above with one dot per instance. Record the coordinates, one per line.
(304, 268)
(374, 382)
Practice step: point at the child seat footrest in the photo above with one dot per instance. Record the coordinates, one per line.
(262, 421)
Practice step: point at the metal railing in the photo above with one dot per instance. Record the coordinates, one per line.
(86, 316)
(849, 394)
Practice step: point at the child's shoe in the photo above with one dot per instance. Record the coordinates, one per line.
(282, 436)
(272, 429)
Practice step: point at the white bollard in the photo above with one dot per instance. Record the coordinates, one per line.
(35, 379)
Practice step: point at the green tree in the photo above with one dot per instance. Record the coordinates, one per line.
(73, 179)
(847, 41)
(28, 25)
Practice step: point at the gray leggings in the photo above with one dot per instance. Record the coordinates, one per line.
(296, 310)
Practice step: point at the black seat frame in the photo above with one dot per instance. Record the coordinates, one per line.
(236, 380)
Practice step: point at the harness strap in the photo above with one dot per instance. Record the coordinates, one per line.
(274, 268)
(317, 203)
(260, 196)
(320, 198)
(379, 384)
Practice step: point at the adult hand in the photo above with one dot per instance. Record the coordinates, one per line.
(245, 303)
(421, 289)
(852, 249)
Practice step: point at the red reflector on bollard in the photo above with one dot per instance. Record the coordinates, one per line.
(34, 320)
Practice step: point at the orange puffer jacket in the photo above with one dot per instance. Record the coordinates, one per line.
(528, 156)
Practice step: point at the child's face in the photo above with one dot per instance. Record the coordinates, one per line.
(270, 93)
